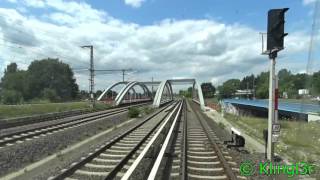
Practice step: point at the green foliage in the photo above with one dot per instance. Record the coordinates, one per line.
(262, 86)
(133, 112)
(50, 94)
(247, 82)
(316, 83)
(48, 78)
(53, 74)
(229, 87)
(295, 136)
(148, 110)
(98, 93)
(186, 93)
(221, 125)
(14, 79)
(288, 82)
(208, 90)
(11, 97)
(101, 106)
(11, 68)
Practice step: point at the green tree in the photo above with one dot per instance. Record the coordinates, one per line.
(262, 85)
(247, 82)
(14, 79)
(285, 82)
(52, 74)
(229, 87)
(50, 94)
(300, 81)
(98, 93)
(186, 93)
(316, 83)
(208, 90)
(11, 97)
(11, 68)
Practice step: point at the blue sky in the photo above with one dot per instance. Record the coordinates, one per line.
(250, 12)
(211, 40)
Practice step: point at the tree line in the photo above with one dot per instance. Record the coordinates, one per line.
(207, 88)
(289, 84)
(48, 79)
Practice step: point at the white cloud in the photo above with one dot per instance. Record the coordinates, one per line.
(308, 2)
(35, 3)
(205, 49)
(134, 3)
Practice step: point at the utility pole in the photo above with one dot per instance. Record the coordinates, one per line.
(152, 86)
(123, 75)
(253, 90)
(91, 80)
(247, 90)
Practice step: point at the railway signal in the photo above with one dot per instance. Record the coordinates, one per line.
(275, 36)
(276, 33)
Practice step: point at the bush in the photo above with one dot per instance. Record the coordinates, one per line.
(148, 110)
(101, 106)
(11, 97)
(133, 112)
(221, 125)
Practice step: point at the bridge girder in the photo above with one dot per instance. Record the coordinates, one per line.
(164, 84)
(159, 93)
(109, 88)
(127, 88)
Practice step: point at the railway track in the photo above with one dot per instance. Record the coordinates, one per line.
(193, 151)
(174, 142)
(34, 133)
(122, 157)
(205, 156)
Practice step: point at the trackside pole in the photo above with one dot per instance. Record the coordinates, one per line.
(271, 109)
(275, 123)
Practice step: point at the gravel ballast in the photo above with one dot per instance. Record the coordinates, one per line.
(17, 156)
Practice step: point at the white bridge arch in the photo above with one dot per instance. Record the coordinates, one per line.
(128, 86)
(163, 94)
(196, 91)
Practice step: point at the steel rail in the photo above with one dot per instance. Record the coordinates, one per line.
(47, 129)
(222, 159)
(52, 117)
(184, 169)
(20, 135)
(124, 160)
(75, 166)
(134, 165)
(156, 165)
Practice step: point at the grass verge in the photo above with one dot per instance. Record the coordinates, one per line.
(298, 140)
(12, 111)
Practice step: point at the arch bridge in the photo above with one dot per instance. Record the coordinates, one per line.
(160, 93)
